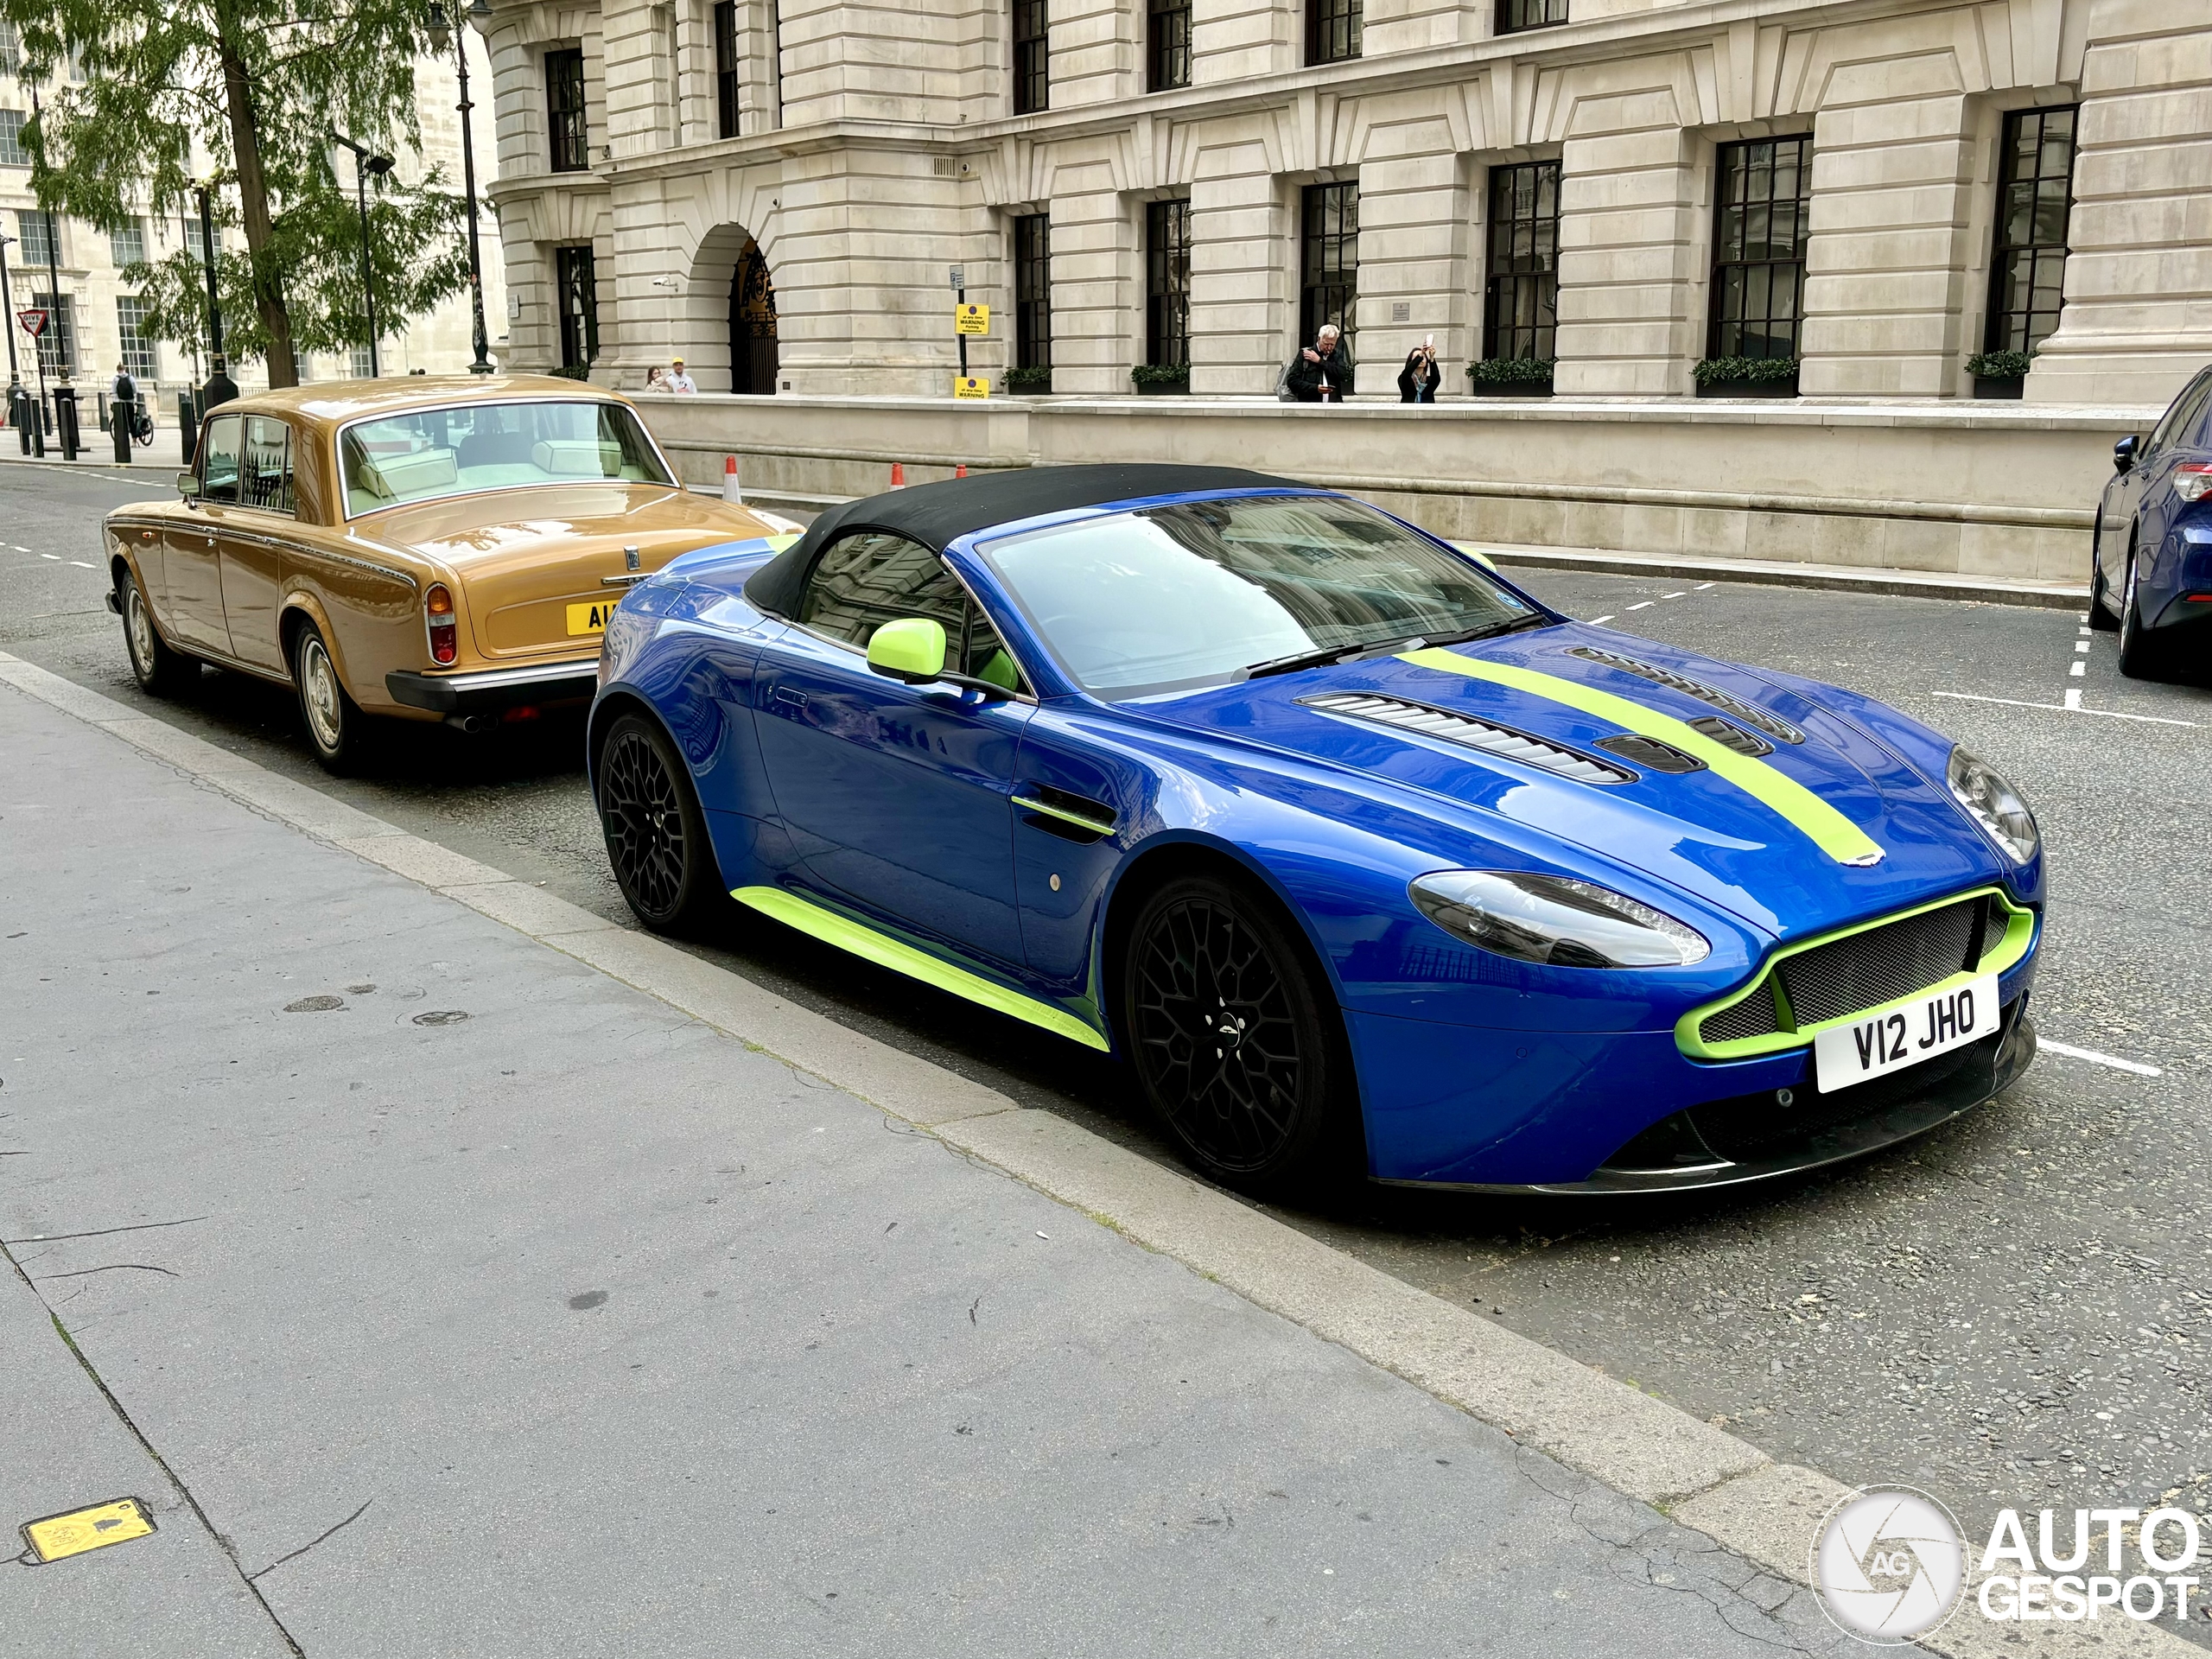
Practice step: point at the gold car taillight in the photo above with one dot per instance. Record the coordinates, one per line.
(437, 614)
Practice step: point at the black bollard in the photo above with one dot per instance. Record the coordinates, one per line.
(64, 421)
(120, 414)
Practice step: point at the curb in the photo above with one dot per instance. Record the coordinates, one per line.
(2056, 596)
(1633, 1442)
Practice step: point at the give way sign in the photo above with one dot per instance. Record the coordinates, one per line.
(34, 322)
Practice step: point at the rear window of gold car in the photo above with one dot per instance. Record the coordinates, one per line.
(426, 454)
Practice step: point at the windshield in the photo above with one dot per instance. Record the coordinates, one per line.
(1203, 592)
(429, 453)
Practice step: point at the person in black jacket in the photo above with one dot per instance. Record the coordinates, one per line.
(1417, 380)
(1322, 372)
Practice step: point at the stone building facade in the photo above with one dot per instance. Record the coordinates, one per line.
(1878, 190)
(98, 314)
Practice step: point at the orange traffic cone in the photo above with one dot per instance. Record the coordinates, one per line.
(730, 490)
(898, 475)
(960, 470)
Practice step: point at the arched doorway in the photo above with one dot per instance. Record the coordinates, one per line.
(753, 360)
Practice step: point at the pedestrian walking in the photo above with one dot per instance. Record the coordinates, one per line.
(1417, 380)
(1322, 372)
(676, 380)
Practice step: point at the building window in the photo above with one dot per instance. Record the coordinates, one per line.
(1032, 291)
(127, 245)
(1759, 247)
(1521, 290)
(570, 139)
(575, 281)
(357, 367)
(1167, 44)
(726, 68)
(1332, 29)
(57, 344)
(1514, 16)
(1167, 281)
(136, 345)
(11, 49)
(2034, 190)
(38, 239)
(1032, 57)
(13, 151)
(1328, 264)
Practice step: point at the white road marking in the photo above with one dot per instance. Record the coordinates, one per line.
(2074, 699)
(2078, 670)
(2083, 645)
(1646, 606)
(1670, 595)
(18, 548)
(1700, 587)
(81, 564)
(1595, 620)
(2091, 1055)
(2063, 709)
(56, 557)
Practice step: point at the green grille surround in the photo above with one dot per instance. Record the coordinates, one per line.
(1997, 955)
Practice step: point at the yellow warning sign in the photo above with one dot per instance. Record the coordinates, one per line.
(971, 318)
(967, 385)
(59, 1536)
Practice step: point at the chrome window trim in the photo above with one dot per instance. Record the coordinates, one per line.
(337, 461)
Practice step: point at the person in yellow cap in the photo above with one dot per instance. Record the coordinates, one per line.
(676, 379)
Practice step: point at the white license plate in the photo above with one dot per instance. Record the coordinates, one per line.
(1922, 1029)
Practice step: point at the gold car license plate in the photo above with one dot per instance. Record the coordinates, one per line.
(591, 616)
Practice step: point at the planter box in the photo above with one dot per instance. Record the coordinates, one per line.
(1163, 388)
(1749, 388)
(1509, 389)
(1999, 386)
(1027, 391)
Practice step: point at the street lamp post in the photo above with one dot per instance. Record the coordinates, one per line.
(65, 418)
(220, 387)
(480, 12)
(367, 165)
(27, 422)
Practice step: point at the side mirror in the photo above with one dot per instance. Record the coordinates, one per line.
(188, 485)
(2123, 452)
(912, 649)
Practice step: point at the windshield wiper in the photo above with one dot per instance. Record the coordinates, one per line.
(1328, 654)
(1490, 631)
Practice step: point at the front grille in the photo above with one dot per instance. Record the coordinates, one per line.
(1470, 733)
(1865, 969)
(1773, 725)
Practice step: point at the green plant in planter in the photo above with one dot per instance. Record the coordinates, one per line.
(571, 371)
(1744, 370)
(1035, 377)
(1511, 371)
(1161, 374)
(1999, 366)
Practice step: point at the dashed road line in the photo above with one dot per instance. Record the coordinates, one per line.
(2135, 1067)
(1596, 620)
(56, 557)
(81, 564)
(1670, 595)
(2068, 707)
(1646, 606)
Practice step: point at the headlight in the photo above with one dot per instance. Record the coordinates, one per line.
(1549, 919)
(1996, 805)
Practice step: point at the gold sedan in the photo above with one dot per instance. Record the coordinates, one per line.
(424, 549)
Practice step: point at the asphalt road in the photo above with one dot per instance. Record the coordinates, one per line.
(2015, 1311)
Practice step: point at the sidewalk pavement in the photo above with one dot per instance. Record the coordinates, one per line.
(455, 1297)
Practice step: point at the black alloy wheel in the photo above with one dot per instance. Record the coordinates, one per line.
(1230, 1044)
(2103, 616)
(656, 832)
(155, 667)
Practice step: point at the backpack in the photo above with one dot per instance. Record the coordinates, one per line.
(1283, 393)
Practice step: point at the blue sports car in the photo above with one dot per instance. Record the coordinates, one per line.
(2151, 571)
(1361, 859)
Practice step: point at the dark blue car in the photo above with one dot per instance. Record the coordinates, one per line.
(1361, 858)
(2152, 576)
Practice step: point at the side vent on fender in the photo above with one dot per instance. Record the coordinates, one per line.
(1773, 725)
(1651, 752)
(1729, 735)
(1470, 734)
(1063, 813)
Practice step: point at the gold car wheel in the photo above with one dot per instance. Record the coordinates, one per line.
(138, 629)
(319, 696)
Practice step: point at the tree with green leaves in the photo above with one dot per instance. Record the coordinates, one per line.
(244, 95)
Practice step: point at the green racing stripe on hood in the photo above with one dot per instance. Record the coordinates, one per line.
(1827, 829)
(832, 927)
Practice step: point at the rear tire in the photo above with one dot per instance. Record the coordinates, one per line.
(1237, 1042)
(2143, 654)
(337, 730)
(2102, 617)
(158, 669)
(656, 831)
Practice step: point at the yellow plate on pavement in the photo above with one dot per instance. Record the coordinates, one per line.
(590, 617)
(57, 1537)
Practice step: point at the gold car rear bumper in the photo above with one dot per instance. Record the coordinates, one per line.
(488, 692)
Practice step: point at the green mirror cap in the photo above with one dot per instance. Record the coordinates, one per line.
(999, 671)
(187, 483)
(913, 649)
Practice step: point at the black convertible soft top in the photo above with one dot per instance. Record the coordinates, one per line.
(939, 514)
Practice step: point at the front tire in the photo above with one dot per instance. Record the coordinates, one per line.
(656, 832)
(2143, 654)
(1236, 1042)
(158, 669)
(337, 730)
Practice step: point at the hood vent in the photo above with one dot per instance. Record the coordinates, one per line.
(1773, 725)
(1503, 741)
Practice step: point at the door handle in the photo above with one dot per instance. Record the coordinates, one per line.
(788, 698)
